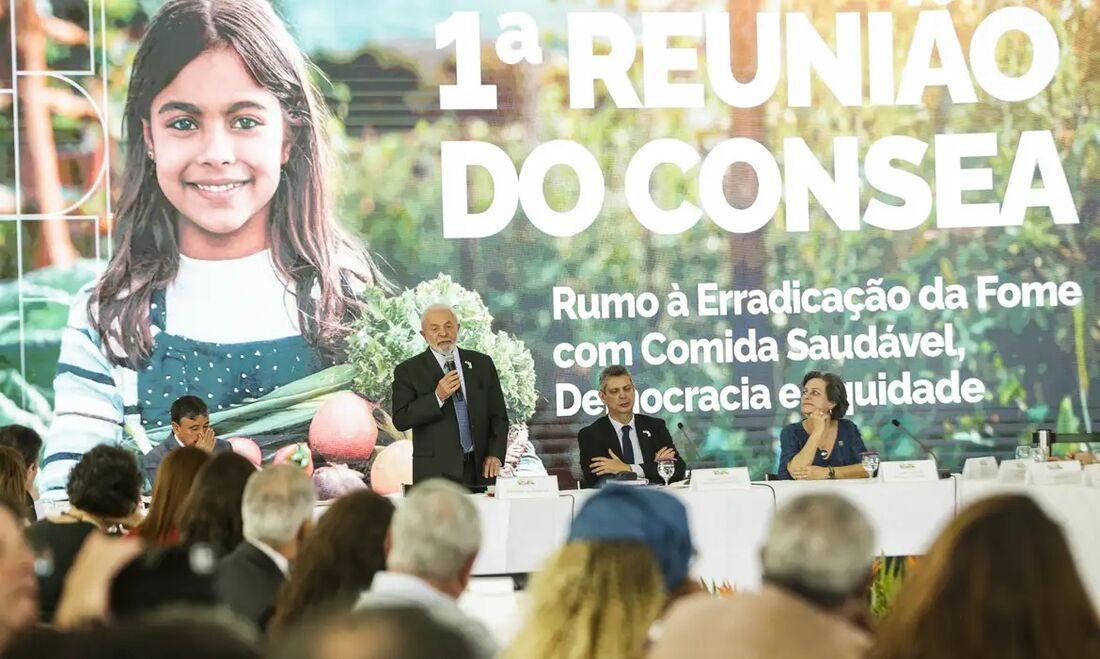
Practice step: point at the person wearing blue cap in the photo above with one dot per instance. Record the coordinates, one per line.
(622, 441)
(626, 558)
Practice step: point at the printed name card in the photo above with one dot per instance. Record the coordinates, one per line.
(908, 471)
(730, 478)
(1013, 471)
(980, 469)
(1092, 475)
(527, 487)
(1062, 472)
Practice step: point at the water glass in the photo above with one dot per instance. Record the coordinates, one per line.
(870, 462)
(665, 469)
(1038, 454)
(1023, 452)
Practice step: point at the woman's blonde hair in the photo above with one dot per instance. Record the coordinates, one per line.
(592, 599)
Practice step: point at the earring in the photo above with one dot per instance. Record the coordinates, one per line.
(150, 152)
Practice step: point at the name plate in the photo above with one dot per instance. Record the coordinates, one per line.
(1092, 475)
(729, 478)
(1013, 471)
(527, 487)
(980, 469)
(908, 471)
(1062, 472)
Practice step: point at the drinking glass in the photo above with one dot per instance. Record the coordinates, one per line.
(665, 469)
(1023, 452)
(1037, 454)
(870, 461)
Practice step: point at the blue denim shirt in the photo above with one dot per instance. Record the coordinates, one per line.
(849, 444)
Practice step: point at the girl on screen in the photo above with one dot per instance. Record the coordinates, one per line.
(230, 277)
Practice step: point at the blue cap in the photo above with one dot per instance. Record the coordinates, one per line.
(640, 514)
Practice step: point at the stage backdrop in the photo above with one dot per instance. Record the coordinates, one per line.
(721, 196)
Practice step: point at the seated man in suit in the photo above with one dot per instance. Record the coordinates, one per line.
(277, 512)
(624, 441)
(190, 427)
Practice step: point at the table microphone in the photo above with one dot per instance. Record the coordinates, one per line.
(929, 451)
(449, 365)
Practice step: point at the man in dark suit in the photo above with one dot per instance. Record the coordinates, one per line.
(624, 441)
(452, 401)
(277, 512)
(190, 427)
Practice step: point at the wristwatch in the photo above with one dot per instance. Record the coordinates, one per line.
(832, 473)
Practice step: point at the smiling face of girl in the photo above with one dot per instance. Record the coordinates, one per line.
(219, 140)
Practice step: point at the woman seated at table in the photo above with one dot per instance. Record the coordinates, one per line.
(824, 445)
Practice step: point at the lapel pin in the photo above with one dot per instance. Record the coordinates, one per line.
(468, 365)
(646, 433)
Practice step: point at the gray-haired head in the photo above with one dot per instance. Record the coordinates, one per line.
(435, 532)
(821, 547)
(613, 371)
(277, 501)
(439, 327)
(437, 306)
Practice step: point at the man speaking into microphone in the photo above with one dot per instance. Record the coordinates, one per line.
(452, 401)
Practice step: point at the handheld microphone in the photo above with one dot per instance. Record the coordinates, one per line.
(449, 365)
(925, 447)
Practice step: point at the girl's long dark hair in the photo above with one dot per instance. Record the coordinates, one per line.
(307, 247)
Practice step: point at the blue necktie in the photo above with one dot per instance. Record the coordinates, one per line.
(463, 424)
(628, 448)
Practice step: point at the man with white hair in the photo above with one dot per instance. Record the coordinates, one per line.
(452, 401)
(817, 569)
(430, 551)
(277, 512)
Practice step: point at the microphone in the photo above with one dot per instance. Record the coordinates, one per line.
(925, 447)
(449, 365)
(684, 432)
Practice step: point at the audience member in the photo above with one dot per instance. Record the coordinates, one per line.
(18, 587)
(190, 427)
(212, 512)
(394, 633)
(29, 444)
(339, 558)
(104, 491)
(277, 511)
(817, 563)
(13, 477)
(628, 552)
(999, 582)
(174, 480)
(433, 542)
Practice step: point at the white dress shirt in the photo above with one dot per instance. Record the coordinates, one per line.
(442, 359)
(278, 559)
(636, 467)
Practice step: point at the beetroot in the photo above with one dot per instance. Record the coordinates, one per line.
(336, 480)
(246, 447)
(343, 429)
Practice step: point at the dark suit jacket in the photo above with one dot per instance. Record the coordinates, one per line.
(150, 462)
(436, 447)
(597, 439)
(247, 581)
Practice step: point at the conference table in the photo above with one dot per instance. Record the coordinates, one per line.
(729, 526)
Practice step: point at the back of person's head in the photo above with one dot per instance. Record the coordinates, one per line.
(375, 633)
(13, 474)
(339, 558)
(1000, 581)
(106, 482)
(820, 547)
(188, 407)
(160, 638)
(175, 477)
(435, 533)
(278, 501)
(629, 549)
(212, 512)
(591, 599)
(22, 439)
(18, 586)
